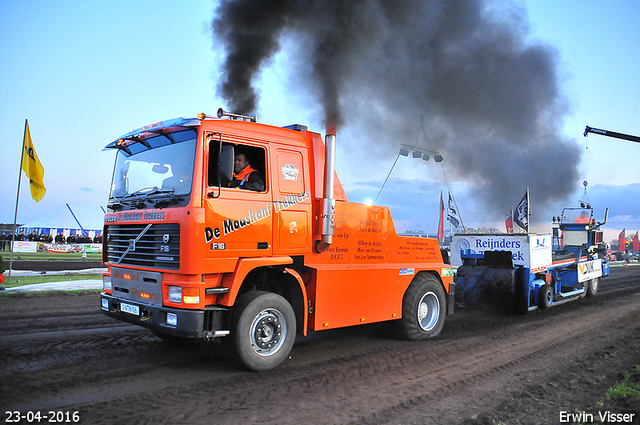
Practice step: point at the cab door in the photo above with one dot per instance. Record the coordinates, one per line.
(239, 222)
(291, 202)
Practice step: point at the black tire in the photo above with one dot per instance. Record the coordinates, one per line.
(423, 309)
(545, 296)
(592, 286)
(263, 329)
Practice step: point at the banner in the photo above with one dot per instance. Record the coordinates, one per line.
(23, 246)
(72, 248)
(32, 166)
(521, 217)
(441, 220)
(621, 242)
(508, 222)
(452, 213)
(635, 243)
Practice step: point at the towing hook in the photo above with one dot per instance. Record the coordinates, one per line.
(146, 315)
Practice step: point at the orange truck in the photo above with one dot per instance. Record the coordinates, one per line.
(199, 247)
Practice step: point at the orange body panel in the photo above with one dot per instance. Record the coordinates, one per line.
(363, 275)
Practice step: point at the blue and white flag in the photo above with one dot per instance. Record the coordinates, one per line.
(452, 213)
(521, 214)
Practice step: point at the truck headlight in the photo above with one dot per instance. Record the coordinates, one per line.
(175, 294)
(106, 283)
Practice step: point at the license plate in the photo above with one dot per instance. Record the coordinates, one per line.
(131, 309)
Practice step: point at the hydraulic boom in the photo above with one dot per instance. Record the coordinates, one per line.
(629, 137)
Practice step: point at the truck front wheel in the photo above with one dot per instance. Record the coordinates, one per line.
(263, 328)
(423, 309)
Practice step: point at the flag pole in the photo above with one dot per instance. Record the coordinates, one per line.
(15, 216)
(528, 210)
(450, 226)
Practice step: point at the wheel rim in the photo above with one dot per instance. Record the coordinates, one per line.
(549, 297)
(428, 311)
(594, 285)
(267, 332)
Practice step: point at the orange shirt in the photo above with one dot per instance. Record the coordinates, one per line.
(244, 173)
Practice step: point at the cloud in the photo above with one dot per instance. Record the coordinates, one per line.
(490, 98)
(623, 202)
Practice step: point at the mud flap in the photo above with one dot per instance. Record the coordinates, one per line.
(522, 292)
(451, 298)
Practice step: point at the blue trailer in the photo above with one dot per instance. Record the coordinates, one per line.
(524, 271)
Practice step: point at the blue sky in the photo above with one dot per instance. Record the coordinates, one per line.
(84, 73)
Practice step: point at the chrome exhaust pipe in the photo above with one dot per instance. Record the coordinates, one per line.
(606, 217)
(328, 201)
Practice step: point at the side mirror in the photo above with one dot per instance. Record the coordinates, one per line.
(225, 164)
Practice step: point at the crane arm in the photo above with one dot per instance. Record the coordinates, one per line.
(611, 134)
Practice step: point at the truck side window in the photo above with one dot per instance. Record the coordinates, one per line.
(249, 167)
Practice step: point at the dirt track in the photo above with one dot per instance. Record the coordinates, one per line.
(58, 352)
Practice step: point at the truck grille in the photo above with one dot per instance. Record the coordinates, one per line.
(154, 245)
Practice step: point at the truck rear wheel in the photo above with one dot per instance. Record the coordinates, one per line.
(423, 309)
(545, 296)
(263, 328)
(592, 286)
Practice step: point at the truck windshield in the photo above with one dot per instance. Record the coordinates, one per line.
(159, 167)
(576, 215)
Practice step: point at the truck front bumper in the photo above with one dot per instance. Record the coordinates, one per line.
(209, 323)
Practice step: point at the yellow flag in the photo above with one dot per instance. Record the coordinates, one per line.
(32, 166)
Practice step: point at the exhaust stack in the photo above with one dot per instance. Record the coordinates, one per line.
(328, 202)
(606, 217)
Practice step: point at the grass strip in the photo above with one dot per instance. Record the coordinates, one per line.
(623, 398)
(43, 256)
(31, 280)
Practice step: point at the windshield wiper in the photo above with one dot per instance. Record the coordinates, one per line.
(142, 193)
(114, 203)
(162, 192)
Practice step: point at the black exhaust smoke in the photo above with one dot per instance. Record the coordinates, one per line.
(491, 98)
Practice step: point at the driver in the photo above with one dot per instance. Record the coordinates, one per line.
(244, 176)
(584, 217)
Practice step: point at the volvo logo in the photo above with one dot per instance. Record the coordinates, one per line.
(132, 244)
(165, 238)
